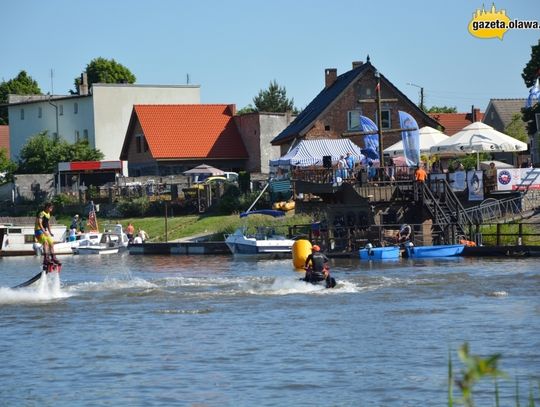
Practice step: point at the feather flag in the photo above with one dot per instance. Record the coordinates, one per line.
(534, 95)
(411, 139)
(371, 141)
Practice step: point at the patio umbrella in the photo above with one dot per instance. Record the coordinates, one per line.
(204, 169)
(478, 138)
(428, 138)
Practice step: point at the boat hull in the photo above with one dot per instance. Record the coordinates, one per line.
(421, 252)
(239, 244)
(379, 253)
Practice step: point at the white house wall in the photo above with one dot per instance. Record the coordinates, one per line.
(70, 121)
(113, 104)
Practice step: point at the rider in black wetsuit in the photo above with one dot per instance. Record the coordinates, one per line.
(317, 271)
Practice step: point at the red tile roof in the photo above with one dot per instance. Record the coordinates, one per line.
(454, 122)
(4, 138)
(190, 131)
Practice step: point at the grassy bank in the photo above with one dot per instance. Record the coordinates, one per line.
(189, 225)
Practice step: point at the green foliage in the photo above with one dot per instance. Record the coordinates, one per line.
(529, 75)
(6, 166)
(244, 179)
(133, 207)
(442, 109)
(476, 368)
(60, 201)
(509, 234)
(246, 110)
(101, 70)
(516, 128)
(274, 99)
(22, 84)
(41, 153)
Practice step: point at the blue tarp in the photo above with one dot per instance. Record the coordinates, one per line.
(311, 152)
(269, 212)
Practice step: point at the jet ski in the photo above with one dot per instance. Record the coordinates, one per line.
(319, 279)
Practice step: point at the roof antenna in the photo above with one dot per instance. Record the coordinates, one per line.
(187, 79)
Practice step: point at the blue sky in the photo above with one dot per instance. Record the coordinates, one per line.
(235, 48)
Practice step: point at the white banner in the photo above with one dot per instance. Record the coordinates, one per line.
(457, 180)
(513, 179)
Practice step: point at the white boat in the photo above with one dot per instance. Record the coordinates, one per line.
(110, 242)
(18, 240)
(264, 242)
(69, 247)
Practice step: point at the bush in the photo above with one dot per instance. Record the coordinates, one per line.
(60, 201)
(134, 207)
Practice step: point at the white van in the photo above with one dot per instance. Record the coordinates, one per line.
(231, 176)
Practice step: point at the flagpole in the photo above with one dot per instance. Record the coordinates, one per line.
(379, 118)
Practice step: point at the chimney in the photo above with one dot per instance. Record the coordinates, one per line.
(475, 114)
(356, 64)
(330, 76)
(83, 85)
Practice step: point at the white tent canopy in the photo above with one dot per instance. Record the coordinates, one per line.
(311, 152)
(428, 137)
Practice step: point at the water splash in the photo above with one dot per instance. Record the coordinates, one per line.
(47, 288)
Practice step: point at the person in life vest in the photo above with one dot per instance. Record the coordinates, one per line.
(44, 235)
(318, 270)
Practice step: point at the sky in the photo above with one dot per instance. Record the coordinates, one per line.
(233, 49)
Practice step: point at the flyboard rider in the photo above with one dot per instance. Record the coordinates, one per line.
(44, 235)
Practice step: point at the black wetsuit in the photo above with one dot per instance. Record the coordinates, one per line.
(318, 261)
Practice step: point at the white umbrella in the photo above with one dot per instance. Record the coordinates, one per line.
(478, 138)
(428, 138)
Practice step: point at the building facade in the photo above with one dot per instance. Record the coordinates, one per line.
(100, 117)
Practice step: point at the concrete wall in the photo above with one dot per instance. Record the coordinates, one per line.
(113, 104)
(257, 131)
(31, 186)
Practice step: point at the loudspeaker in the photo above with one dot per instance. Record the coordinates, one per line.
(327, 161)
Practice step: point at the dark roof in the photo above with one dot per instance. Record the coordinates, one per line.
(328, 95)
(507, 108)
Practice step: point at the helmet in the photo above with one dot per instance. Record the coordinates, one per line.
(316, 248)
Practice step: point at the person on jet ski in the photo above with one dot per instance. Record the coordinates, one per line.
(318, 271)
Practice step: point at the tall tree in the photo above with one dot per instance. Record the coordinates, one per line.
(530, 73)
(22, 84)
(274, 99)
(101, 70)
(41, 154)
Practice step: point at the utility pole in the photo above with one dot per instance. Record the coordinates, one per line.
(379, 117)
(422, 107)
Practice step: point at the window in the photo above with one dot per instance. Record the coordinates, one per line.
(145, 145)
(39, 112)
(61, 110)
(327, 128)
(77, 136)
(138, 140)
(75, 108)
(386, 119)
(85, 135)
(22, 114)
(353, 120)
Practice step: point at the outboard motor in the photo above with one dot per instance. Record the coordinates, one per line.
(369, 248)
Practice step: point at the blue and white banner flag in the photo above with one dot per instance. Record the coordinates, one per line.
(371, 141)
(411, 139)
(534, 95)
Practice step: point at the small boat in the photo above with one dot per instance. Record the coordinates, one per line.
(422, 252)
(264, 242)
(379, 253)
(18, 240)
(70, 247)
(110, 242)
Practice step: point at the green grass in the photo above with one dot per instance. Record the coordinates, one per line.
(189, 225)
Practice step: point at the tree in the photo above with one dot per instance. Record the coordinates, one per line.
(274, 99)
(41, 154)
(101, 70)
(442, 109)
(22, 84)
(530, 73)
(516, 129)
(7, 167)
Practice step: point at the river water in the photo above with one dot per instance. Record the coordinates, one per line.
(215, 331)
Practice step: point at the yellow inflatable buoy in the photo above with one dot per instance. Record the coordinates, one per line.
(300, 250)
(288, 206)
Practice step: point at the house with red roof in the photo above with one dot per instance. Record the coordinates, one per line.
(4, 138)
(171, 139)
(451, 123)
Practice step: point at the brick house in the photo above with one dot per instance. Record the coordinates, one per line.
(171, 139)
(336, 109)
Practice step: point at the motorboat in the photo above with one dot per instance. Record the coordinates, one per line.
(421, 252)
(264, 242)
(18, 240)
(379, 253)
(70, 247)
(110, 242)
